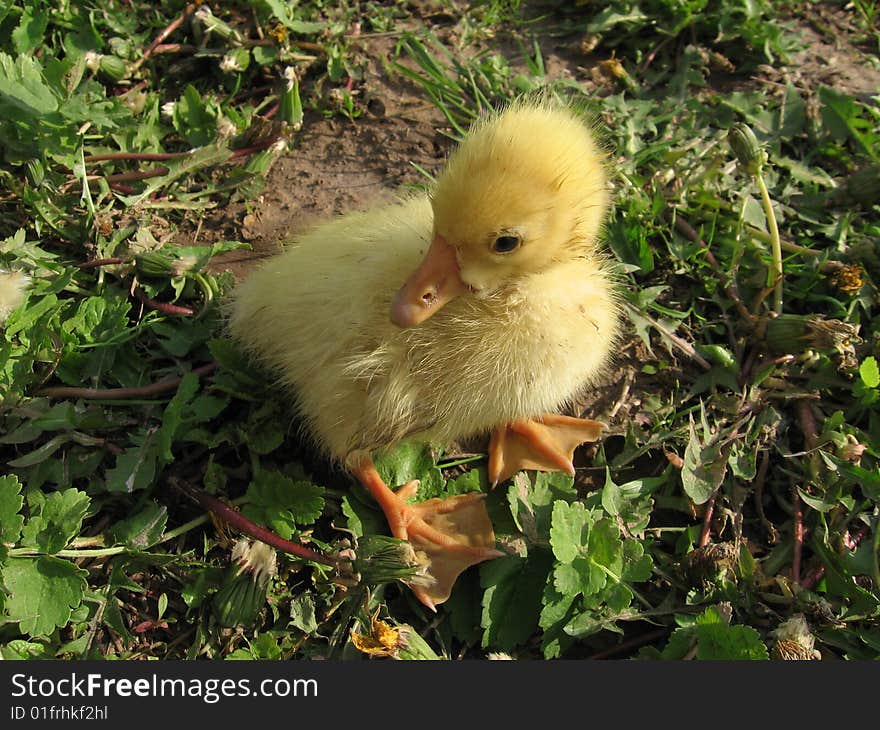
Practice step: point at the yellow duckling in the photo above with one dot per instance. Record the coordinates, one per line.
(483, 306)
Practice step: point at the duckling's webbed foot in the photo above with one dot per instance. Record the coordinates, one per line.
(452, 534)
(546, 443)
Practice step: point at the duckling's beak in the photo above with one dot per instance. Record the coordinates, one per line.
(433, 284)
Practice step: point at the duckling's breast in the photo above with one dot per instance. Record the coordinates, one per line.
(318, 314)
(523, 353)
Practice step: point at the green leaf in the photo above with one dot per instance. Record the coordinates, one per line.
(512, 598)
(604, 547)
(703, 470)
(869, 372)
(840, 116)
(285, 12)
(531, 496)
(135, 467)
(29, 33)
(407, 461)
(576, 577)
(302, 613)
(195, 119)
(720, 641)
(554, 616)
(281, 503)
(11, 502)
(55, 519)
(142, 530)
(19, 650)
(42, 593)
(22, 86)
(637, 567)
(569, 531)
(173, 416)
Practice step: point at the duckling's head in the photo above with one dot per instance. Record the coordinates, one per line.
(525, 190)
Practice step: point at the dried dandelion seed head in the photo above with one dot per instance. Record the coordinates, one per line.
(182, 265)
(230, 63)
(225, 129)
(13, 286)
(801, 333)
(705, 564)
(290, 77)
(794, 641)
(93, 61)
(256, 558)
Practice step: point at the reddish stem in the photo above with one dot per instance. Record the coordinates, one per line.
(145, 156)
(164, 307)
(167, 31)
(255, 148)
(707, 520)
(248, 527)
(144, 391)
(798, 548)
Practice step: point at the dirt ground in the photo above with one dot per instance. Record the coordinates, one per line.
(336, 165)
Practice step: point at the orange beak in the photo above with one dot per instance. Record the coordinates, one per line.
(433, 284)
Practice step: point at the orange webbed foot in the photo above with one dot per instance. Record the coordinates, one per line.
(546, 444)
(449, 535)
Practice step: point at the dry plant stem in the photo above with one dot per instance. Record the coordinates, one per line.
(174, 48)
(144, 391)
(243, 524)
(95, 263)
(775, 246)
(679, 343)
(164, 307)
(731, 288)
(167, 31)
(760, 480)
(807, 423)
(624, 394)
(798, 547)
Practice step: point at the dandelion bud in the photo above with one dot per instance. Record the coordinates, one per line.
(745, 146)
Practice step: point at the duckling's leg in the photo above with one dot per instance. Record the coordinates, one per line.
(546, 443)
(452, 533)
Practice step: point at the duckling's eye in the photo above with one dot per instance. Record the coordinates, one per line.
(505, 244)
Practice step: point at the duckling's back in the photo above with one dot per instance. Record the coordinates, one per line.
(317, 314)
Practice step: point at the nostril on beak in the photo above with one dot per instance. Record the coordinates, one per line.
(429, 296)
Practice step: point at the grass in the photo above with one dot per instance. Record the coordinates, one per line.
(731, 512)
